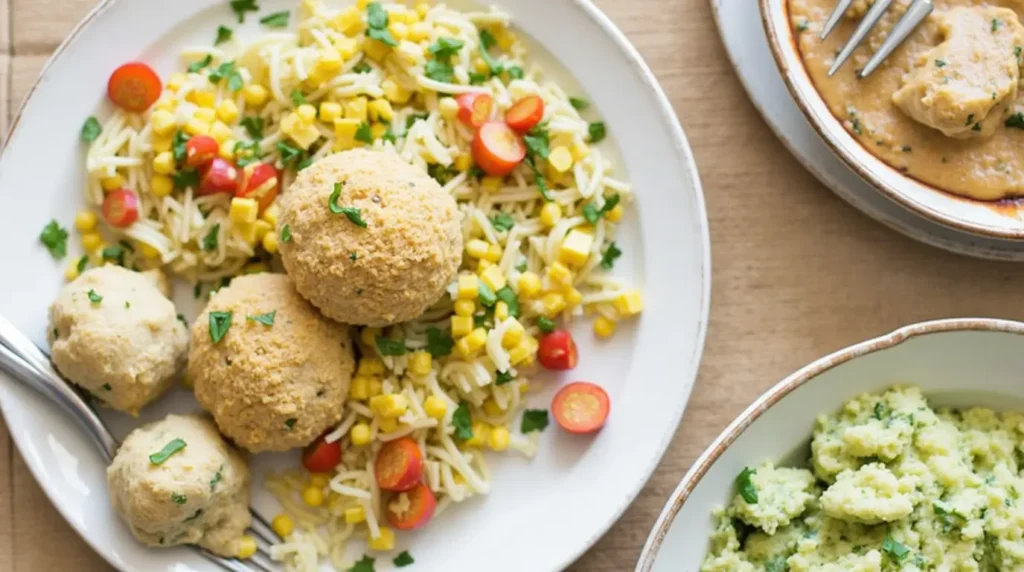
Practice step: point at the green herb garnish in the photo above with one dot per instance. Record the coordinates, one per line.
(515, 72)
(487, 296)
(593, 214)
(462, 422)
(276, 20)
(609, 255)
(534, 420)
(439, 343)
(223, 35)
(439, 71)
(106, 386)
(55, 239)
(746, 485)
(253, 126)
(508, 296)
(377, 24)
(113, 254)
(444, 48)
(353, 214)
(578, 103)
(486, 42)
(537, 142)
(286, 233)
(503, 378)
(220, 322)
(194, 67)
(403, 559)
(179, 144)
(362, 67)
(894, 549)
(82, 263)
(546, 324)
(211, 240)
(364, 134)
(179, 498)
(227, 70)
(216, 478)
(94, 297)
(389, 347)
(477, 78)
(502, 222)
(297, 97)
(91, 129)
(265, 319)
(596, 131)
(1015, 120)
(940, 63)
(290, 422)
(172, 447)
(364, 564)
(186, 179)
(290, 154)
(240, 7)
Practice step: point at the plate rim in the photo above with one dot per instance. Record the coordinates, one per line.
(685, 158)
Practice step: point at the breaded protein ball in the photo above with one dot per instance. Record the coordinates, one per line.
(177, 481)
(114, 333)
(391, 269)
(273, 372)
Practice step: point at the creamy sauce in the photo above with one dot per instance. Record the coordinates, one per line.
(945, 106)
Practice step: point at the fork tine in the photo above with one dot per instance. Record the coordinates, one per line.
(870, 19)
(915, 14)
(835, 17)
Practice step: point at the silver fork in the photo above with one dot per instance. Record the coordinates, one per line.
(916, 13)
(29, 365)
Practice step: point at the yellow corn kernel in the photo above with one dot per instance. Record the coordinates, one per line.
(476, 339)
(227, 149)
(420, 363)
(476, 248)
(162, 185)
(270, 242)
(360, 434)
(421, 9)
(356, 109)
(603, 327)
(163, 163)
(398, 29)
(479, 65)
(529, 284)
(221, 133)
(492, 408)
(85, 221)
(448, 107)
(227, 111)
(559, 274)
(464, 307)
(393, 405)
(370, 366)
(505, 38)
(112, 183)
(494, 253)
(329, 111)
(419, 31)
(359, 389)
(572, 296)
(468, 287)
(92, 241)
(243, 211)
(462, 347)
(520, 353)
(356, 514)
(375, 50)
(561, 159)
(330, 61)
(463, 162)
(305, 136)
(550, 214)
(481, 431)
(498, 439)
(161, 144)
(163, 122)
(614, 214)
(493, 277)
(435, 407)
(255, 94)
(254, 267)
(246, 232)
(348, 21)
(492, 184)
(380, 110)
(376, 386)
(205, 115)
(347, 47)
(514, 332)
(387, 424)
(306, 113)
(148, 251)
(246, 547)
(313, 496)
(575, 248)
(377, 130)
(461, 325)
(283, 525)
(553, 303)
(369, 336)
(482, 265)
(71, 272)
(500, 311)
(385, 541)
(395, 92)
(174, 82)
(319, 479)
(459, 479)
(166, 102)
(346, 128)
(196, 126)
(630, 303)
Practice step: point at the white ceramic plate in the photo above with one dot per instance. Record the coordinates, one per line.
(542, 514)
(744, 38)
(960, 363)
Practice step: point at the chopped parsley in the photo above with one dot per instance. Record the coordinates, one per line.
(179, 498)
(486, 42)
(196, 66)
(801, 26)
(286, 233)
(304, 163)
(298, 98)
(364, 564)
(487, 296)
(578, 103)
(290, 422)
(880, 411)
(240, 7)
(970, 119)
(389, 347)
(181, 318)
(106, 386)
(82, 263)
(172, 447)
(228, 71)
(462, 422)
(546, 324)
(377, 24)
(439, 71)
(477, 78)
(223, 35)
(353, 214)
(940, 63)
(1016, 53)
(534, 420)
(746, 485)
(253, 126)
(364, 134)
(211, 240)
(1016, 120)
(508, 296)
(216, 478)
(94, 297)
(444, 48)
(538, 142)
(289, 153)
(515, 72)
(276, 20)
(776, 564)
(593, 214)
(186, 179)
(996, 23)
(195, 515)
(895, 550)
(502, 222)
(179, 146)
(362, 67)
(265, 319)
(91, 129)
(220, 322)
(353, 256)
(113, 254)
(439, 343)
(403, 559)
(597, 131)
(503, 378)
(55, 239)
(440, 173)
(410, 120)
(609, 255)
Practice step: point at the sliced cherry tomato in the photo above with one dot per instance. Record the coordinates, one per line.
(200, 150)
(474, 108)
(259, 181)
(121, 208)
(497, 149)
(420, 509)
(557, 350)
(218, 176)
(581, 407)
(321, 456)
(525, 113)
(399, 465)
(134, 86)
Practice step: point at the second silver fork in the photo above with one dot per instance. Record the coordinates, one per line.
(915, 14)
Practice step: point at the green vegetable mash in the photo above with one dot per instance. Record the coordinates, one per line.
(894, 486)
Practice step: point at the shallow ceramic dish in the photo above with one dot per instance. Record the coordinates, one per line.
(956, 363)
(1003, 219)
(590, 481)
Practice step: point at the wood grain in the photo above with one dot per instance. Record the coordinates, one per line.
(797, 272)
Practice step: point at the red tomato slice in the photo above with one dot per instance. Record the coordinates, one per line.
(557, 350)
(259, 181)
(421, 509)
(474, 108)
(399, 465)
(121, 208)
(581, 407)
(321, 456)
(525, 113)
(200, 150)
(134, 86)
(218, 176)
(497, 149)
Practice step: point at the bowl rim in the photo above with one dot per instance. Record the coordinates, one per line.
(777, 42)
(776, 393)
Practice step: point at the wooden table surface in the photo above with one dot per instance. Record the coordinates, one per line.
(797, 272)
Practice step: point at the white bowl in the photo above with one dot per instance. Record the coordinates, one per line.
(1000, 219)
(958, 363)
